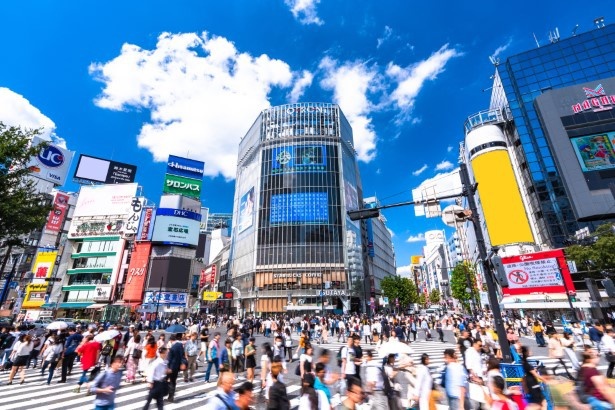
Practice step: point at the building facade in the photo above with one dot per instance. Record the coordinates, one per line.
(293, 246)
(582, 58)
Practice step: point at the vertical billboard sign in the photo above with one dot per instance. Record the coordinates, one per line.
(52, 163)
(132, 224)
(246, 210)
(175, 184)
(145, 231)
(539, 272)
(55, 220)
(43, 265)
(184, 167)
(137, 272)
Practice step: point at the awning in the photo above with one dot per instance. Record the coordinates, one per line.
(97, 306)
(48, 305)
(127, 304)
(74, 305)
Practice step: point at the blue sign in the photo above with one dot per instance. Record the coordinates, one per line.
(299, 208)
(166, 298)
(51, 157)
(185, 167)
(298, 158)
(13, 285)
(180, 213)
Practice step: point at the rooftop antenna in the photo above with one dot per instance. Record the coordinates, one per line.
(494, 60)
(574, 30)
(554, 36)
(536, 40)
(599, 22)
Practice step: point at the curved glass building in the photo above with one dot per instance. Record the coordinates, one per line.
(293, 247)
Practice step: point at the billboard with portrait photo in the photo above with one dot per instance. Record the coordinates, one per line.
(246, 210)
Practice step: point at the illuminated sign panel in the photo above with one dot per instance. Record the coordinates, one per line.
(595, 152)
(299, 208)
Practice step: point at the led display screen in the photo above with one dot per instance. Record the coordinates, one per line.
(299, 208)
(298, 158)
(595, 152)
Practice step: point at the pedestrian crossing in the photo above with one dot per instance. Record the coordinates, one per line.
(35, 394)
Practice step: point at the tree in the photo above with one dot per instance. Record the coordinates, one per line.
(22, 208)
(463, 277)
(422, 299)
(434, 296)
(402, 289)
(597, 255)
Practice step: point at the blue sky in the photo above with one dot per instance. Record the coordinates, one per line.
(135, 81)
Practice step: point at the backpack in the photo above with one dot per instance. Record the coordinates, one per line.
(8, 341)
(37, 343)
(106, 350)
(339, 356)
(387, 389)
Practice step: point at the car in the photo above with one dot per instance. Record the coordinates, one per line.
(41, 323)
(6, 321)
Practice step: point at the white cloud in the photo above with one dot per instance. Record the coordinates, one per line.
(411, 79)
(351, 82)
(16, 111)
(301, 84)
(449, 148)
(404, 270)
(305, 11)
(202, 92)
(444, 165)
(388, 32)
(420, 170)
(502, 48)
(416, 238)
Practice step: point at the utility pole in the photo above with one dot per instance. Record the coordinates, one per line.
(158, 299)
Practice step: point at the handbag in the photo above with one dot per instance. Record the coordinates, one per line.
(136, 353)
(184, 364)
(610, 357)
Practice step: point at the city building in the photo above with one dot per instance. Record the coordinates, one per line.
(584, 58)
(380, 250)
(435, 263)
(293, 247)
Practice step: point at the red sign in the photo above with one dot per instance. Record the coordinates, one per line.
(539, 272)
(202, 278)
(137, 272)
(55, 220)
(212, 276)
(147, 221)
(597, 100)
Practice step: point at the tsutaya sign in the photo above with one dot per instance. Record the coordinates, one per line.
(597, 100)
(297, 275)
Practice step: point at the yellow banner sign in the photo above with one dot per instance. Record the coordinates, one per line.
(210, 296)
(415, 260)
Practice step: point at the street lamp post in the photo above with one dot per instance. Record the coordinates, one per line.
(158, 301)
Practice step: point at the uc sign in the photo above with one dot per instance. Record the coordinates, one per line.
(51, 157)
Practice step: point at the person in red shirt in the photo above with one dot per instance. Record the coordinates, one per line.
(89, 351)
(599, 395)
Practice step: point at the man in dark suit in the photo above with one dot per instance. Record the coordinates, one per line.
(176, 353)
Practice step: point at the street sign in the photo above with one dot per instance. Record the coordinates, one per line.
(211, 296)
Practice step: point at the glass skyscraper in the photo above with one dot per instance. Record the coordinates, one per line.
(293, 246)
(518, 81)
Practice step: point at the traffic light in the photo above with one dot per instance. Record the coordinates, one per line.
(498, 271)
(573, 296)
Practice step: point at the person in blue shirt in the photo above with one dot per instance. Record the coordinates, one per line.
(70, 352)
(223, 398)
(455, 382)
(105, 385)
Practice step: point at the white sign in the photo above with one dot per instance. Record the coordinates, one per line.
(176, 230)
(102, 293)
(52, 163)
(132, 223)
(533, 273)
(98, 200)
(337, 292)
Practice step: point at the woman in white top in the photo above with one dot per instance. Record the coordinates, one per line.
(393, 337)
(367, 332)
(312, 399)
(19, 357)
(424, 382)
(305, 361)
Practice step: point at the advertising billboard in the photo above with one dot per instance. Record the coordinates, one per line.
(298, 158)
(35, 295)
(170, 273)
(175, 184)
(145, 225)
(52, 163)
(99, 200)
(137, 272)
(185, 167)
(55, 220)
(134, 218)
(595, 152)
(166, 298)
(246, 210)
(540, 272)
(176, 227)
(104, 171)
(299, 208)
(43, 265)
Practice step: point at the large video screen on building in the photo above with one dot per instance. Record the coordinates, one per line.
(595, 152)
(298, 158)
(299, 208)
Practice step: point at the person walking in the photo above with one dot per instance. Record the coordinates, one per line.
(250, 354)
(133, 354)
(106, 384)
(223, 397)
(354, 394)
(312, 399)
(19, 357)
(278, 398)
(534, 396)
(538, 333)
(423, 384)
(212, 357)
(150, 351)
(455, 382)
(191, 351)
(89, 352)
(237, 354)
(305, 362)
(156, 378)
(52, 356)
(175, 358)
(598, 394)
(37, 344)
